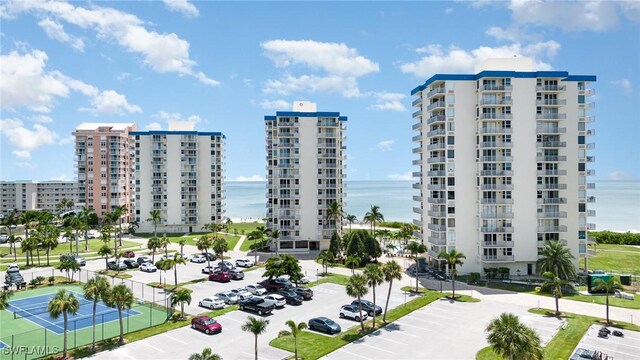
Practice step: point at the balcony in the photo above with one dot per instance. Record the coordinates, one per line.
(552, 186)
(437, 132)
(416, 150)
(496, 215)
(417, 210)
(496, 116)
(417, 222)
(433, 200)
(591, 226)
(551, 158)
(495, 87)
(417, 126)
(497, 258)
(549, 201)
(544, 88)
(439, 159)
(551, 116)
(417, 162)
(494, 130)
(591, 172)
(417, 102)
(435, 227)
(552, 215)
(436, 91)
(435, 146)
(591, 185)
(551, 102)
(496, 173)
(589, 119)
(552, 229)
(416, 174)
(435, 105)
(495, 201)
(435, 186)
(417, 198)
(496, 158)
(496, 187)
(591, 132)
(505, 101)
(498, 243)
(496, 229)
(591, 146)
(437, 213)
(591, 159)
(436, 118)
(551, 130)
(417, 114)
(551, 144)
(495, 144)
(436, 173)
(591, 199)
(417, 186)
(417, 138)
(437, 240)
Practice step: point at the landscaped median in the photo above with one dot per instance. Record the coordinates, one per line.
(314, 346)
(566, 339)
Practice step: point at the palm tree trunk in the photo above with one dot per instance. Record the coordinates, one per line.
(120, 232)
(86, 241)
(38, 252)
(175, 272)
(121, 339)
(557, 305)
(295, 346)
(386, 306)
(48, 257)
(416, 272)
(607, 309)
(70, 246)
(182, 309)
(64, 338)
(453, 285)
(95, 305)
(360, 311)
(256, 347)
(374, 306)
(77, 242)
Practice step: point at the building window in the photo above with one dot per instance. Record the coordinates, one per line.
(580, 99)
(450, 140)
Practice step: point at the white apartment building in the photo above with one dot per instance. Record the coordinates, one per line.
(180, 173)
(503, 158)
(104, 166)
(23, 195)
(305, 172)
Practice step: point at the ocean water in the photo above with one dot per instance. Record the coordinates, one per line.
(617, 203)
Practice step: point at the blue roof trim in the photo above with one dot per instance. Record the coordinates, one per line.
(305, 114)
(342, 118)
(166, 132)
(269, 118)
(497, 73)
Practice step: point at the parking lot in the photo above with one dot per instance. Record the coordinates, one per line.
(438, 330)
(627, 347)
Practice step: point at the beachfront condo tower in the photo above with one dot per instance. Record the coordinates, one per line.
(180, 173)
(23, 195)
(305, 172)
(104, 167)
(503, 157)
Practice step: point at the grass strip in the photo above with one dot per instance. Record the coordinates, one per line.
(331, 278)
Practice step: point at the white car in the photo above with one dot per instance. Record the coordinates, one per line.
(352, 312)
(13, 267)
(198, 259)
(209, 303)
(241, 293)
(228, 297)
(148, 267)
(4, 238)
(275, 299)
(285, 279)
(244, 263)
(168, 256)
(256, 289)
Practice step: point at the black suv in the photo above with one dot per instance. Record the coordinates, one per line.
(367, 306)
(291, 297)
(256, 304)
(131, 263)
(209, 256)
(306, 293)
(13, 277)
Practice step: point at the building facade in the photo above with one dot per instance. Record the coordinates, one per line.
(36, 195)
(305, 173)
(181, 174)
(503, 157)
(104, 166)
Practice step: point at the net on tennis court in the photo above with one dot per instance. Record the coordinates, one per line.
(38, 309)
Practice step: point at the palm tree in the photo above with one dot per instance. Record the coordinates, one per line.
(373, 217)
(173, 263)
(294, 330)
(255, 236)
(556, 284)
(27, 245)
(5, 295)
(9, 221)
(256, 327)
(557, 258)
(275, 234)
(219, 247)
(334, 212)
(375, 277)
(182, 243)
(49, 239)
(155, 217)
(133, 226)
(153, 244)
(12, 243)
(391, 271)
(325, 257)
(120, 297)
(69, 267)
(64, 303)
(512, 339)
(203, 244)
(84, 215)
(76, 224)
(227, 224)
(357, 287)
(416, 248)
(120, 211)
(351, 262)
(608, 286)
(206, 354)
(180, 297)
(105, 251)
(96, 289)
(164, 243)
(452, 258)
(351, 219)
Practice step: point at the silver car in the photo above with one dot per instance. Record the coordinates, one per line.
(228, 297)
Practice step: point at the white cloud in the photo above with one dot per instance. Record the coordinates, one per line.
(67, 140)
(389, 101)
(110, 102)
(620, 176)
(62, 177)
(275, 105)
(250, 178)
(162, 52)
(403, 177)
(154, 126)
(123, 76)
(385, 145)
(593, 15)
(175, 121)
(457, 60)
(182, 6)
(26, 140)
(624, 84)
(42, 119)
(339, 67)
(56, 31)
(448, 10)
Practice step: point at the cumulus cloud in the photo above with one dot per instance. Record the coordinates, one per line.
(250, 178)
(624, 84)
(62, 177)
(175, 121)
(457, 60)
(55, 30)
(154, 126)
(42, 119)
(620, 176)
(110, 102)
(404, 177)
(182, 6)
(162, 52)
(385, 145)
(594, 15)
(275, 105)
(339, 66)
(24, 139)
(389, 101)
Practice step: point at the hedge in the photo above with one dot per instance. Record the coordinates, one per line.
(610, 237)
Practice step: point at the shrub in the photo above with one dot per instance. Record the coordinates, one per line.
(52, 280)
(39, 280)
(474, 277)
(610, 237)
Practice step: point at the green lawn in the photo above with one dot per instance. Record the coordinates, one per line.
(232, 240)
(63, 248)
(620, 259)
(246, 226)
(249, 244)
(331, 278)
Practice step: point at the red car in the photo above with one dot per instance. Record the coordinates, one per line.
(220, 276)
(128, 254)
(206, 324)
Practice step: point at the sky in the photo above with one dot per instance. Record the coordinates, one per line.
(225, 65)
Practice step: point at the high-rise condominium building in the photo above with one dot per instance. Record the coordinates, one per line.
(503, 157)
(181, 174)
(36, 195)
(104, 166)
(305, 169)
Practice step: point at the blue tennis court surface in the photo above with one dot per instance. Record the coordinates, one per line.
(34, 309)
(2, 345)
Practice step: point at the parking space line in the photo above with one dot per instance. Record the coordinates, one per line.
(422, 320)
(414, 326)
(174, 339)
(393, 341)
(151, 346)
(375, 347)
(350, 353)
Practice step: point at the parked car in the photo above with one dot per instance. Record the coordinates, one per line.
(206, 324)
(228, 297)
(13, 267)
(208, 269)
(209, 256)
(91, 235)
(225, 265)
(220, 276)
(291, 297)
(4, 238)
(112, 265)
(148, 267)
(256, 289)
(284, 281)
(144, 259)
(73, 257)
(368, 307)
(236, 274)
(209, 303)
(306, 293)
(246, 263)
(352, 312)
(131, 263)
(324, 324)
(128, 254)
(13, 277)
(256, 304)
(198, 259)
(241, 293)
(276, 299)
